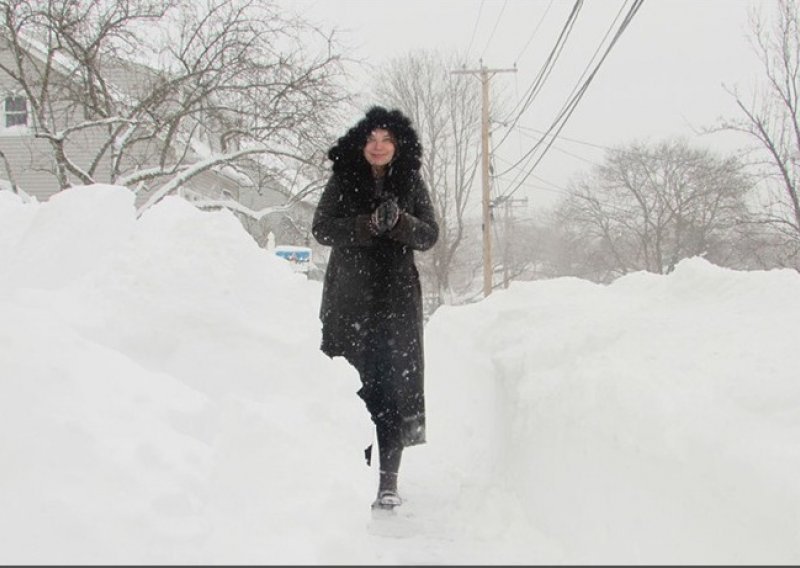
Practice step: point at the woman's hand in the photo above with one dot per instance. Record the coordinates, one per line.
(385, 217)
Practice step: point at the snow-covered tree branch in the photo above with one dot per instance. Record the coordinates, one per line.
(157, 90)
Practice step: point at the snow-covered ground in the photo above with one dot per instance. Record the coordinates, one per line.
(163, 400)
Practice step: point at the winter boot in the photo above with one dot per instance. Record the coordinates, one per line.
(388, 497)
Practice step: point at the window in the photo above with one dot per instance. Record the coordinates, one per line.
(16, 111)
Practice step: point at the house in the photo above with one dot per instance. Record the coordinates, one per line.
(27, 159)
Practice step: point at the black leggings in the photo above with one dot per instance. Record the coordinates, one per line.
(380, 395)
(389, 448)
(384, 413)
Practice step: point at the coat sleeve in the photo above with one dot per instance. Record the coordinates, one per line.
(417, 229)
(330, 228)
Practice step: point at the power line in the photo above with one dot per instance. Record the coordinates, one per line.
(585, 70)
(554, 188)
(569, 107)
(494, 29)
(576, 141)
(552, 57)
(474, 29)
(576, 156)
(572, 93)
(547, 67)
(533, 33)
(588, 161)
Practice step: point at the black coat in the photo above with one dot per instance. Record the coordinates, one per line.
(371, 300)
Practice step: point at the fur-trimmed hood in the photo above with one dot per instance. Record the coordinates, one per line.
(347, 154)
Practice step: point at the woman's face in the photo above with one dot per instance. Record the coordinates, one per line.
(379, 149)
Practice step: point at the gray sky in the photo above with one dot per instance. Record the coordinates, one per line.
(663, 78)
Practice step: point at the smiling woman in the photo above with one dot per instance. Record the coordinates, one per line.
(379, 150)
(375, 212)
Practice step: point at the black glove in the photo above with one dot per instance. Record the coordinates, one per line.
(385, 217)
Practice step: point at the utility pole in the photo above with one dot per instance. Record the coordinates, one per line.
(508, 228)
(485, 74)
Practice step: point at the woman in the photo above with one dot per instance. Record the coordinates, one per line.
(375, 212)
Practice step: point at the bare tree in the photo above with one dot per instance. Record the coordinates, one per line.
(445, 108)
(9, 173)
(167, 89)
(647, 208)
(772, 119)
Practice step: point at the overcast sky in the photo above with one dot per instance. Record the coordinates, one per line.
(664, 77)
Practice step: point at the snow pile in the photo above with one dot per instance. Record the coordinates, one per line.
(163, 400)
(162, 396)
(655, 420)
